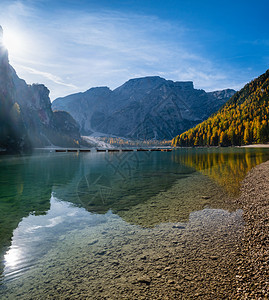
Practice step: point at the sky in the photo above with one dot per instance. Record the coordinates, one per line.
(73, 45)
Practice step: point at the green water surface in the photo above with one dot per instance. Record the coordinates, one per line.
(47, 199)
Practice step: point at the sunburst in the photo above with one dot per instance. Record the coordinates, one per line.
(14, 41)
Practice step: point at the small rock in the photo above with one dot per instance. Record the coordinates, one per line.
(92, 242)
(189, 278)
(214, 257)
(178, 226)
(144, 279)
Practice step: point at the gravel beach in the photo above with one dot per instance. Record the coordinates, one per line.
(253, 261)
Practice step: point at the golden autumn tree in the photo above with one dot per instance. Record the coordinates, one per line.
(242, 120)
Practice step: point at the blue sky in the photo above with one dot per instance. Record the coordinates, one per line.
(71, 46)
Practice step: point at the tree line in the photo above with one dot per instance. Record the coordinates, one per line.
(242, 120)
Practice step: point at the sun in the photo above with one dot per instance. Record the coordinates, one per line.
(14, 41)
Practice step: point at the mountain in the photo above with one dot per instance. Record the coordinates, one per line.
(26, 117)
(13, 135)
(242, 120)
(142, 108)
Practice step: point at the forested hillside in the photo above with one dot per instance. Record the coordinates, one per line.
(242, 120)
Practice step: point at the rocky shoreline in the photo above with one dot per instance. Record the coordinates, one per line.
(253, 268)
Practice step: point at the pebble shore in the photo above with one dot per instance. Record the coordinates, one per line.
(253, 261)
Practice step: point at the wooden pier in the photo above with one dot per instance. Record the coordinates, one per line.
(113, 150)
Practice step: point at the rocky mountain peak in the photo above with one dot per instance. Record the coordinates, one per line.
(141, 84)
(227, 93)
(142, 108)
(149, 79)
(41, 98)
(96, 91)
(144, 84)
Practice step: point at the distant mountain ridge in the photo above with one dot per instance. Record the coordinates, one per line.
(242, 120)
(142, 108)
(26, 117)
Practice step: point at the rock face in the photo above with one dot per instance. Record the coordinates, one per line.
(142, 108)
(26, 117)
(13, 135)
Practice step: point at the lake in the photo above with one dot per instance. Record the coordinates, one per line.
(147, 225)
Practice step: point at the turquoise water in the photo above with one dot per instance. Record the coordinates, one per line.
(68, 218)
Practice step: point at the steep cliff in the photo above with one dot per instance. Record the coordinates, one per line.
(26, 117)
(13, 137)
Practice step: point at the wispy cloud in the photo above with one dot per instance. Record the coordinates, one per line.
(258, 42)
(49, 76)
(72, 51)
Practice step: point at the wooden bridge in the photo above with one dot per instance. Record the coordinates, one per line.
(114, 150)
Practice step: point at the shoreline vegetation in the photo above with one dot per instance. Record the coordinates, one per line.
(242, 146)
(93, 147)
(242, 120)
(253, 270)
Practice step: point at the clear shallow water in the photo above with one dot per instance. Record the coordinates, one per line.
(66, 219)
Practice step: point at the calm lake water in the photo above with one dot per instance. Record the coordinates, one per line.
(121, 225)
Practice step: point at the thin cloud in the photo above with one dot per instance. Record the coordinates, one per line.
(49, 76)
(106, 48)
(15, 9)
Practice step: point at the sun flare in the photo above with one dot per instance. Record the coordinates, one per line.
(14, 41)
